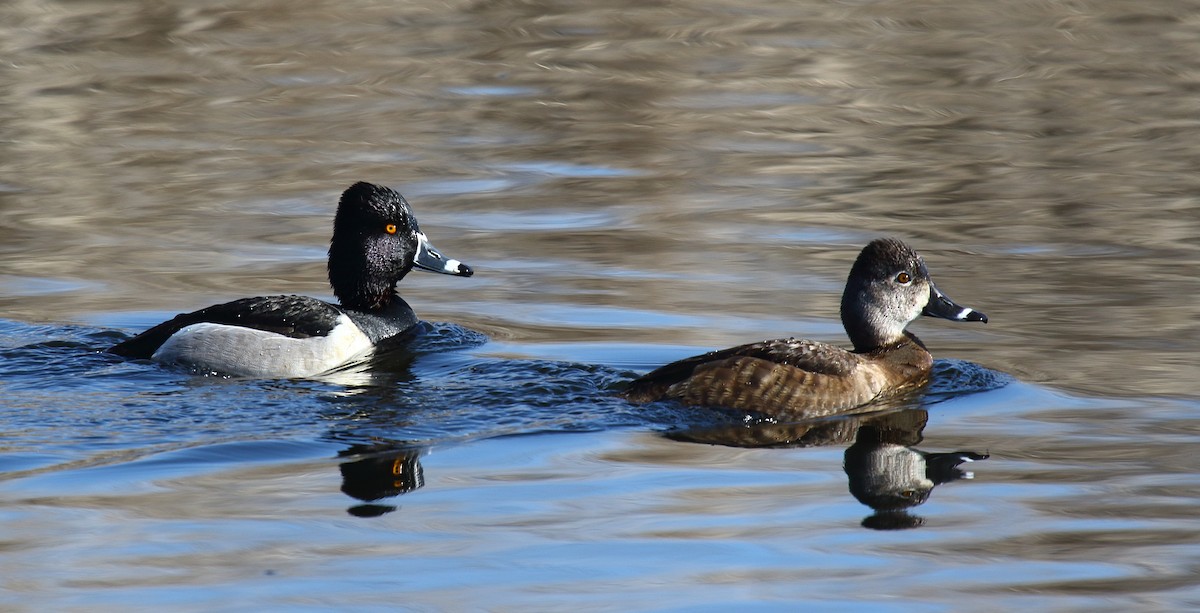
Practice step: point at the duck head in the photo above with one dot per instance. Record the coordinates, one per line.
(376, 241)
(888, 288)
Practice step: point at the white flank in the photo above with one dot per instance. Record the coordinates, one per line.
(234, 350)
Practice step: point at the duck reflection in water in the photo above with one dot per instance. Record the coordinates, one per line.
(886, 473)
(377, 472)
(374, 399)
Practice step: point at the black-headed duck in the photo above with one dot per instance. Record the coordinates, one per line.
(376, 241)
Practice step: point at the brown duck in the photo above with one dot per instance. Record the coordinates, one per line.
(887, 289)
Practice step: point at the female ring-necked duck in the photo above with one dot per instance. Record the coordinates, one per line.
(376, 241)
(888, 288)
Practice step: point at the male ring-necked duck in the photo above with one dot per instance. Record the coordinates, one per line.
(888, 288)
(376, 241)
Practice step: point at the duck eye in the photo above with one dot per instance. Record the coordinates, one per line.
(903, 278)
(390, 228)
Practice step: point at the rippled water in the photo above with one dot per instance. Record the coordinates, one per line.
(633, 183)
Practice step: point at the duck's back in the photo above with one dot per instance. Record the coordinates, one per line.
(786, 377)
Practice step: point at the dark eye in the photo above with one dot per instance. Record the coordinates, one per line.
(903, 278)
(390, 228)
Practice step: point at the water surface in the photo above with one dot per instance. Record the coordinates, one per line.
(633, 183)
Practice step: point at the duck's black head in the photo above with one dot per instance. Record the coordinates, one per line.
(376, 241)
(888, 288)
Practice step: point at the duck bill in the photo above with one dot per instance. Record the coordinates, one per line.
(940, 305)
(430, 259)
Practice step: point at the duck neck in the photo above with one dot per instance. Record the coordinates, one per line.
(863, 337)
(356, 282)
(869, 328)
(367, 301)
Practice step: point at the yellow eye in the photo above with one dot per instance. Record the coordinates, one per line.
(903, 278)
(390, 228)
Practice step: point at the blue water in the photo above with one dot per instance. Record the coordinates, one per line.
(445, 466)
(633, 183)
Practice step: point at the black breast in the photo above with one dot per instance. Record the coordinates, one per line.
(392, 321)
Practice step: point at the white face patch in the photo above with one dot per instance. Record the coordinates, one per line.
(235, 350)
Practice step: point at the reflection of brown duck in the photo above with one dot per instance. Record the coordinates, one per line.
(889, 476)
(885, 472)
(380, 472)
(821, 432)
(888, 287)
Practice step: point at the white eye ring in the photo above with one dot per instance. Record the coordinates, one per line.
(903, 278)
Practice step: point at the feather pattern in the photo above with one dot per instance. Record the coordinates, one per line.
(797, 378)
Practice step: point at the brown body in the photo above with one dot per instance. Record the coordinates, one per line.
(798, 378)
